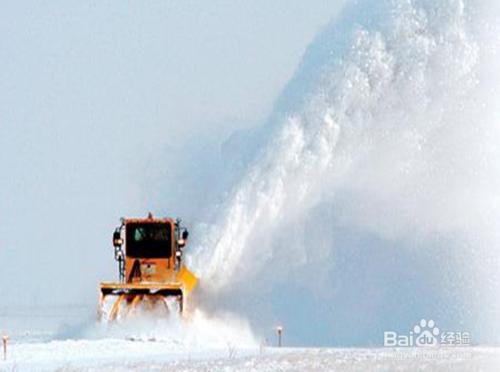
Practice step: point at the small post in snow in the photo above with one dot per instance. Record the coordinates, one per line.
(5, 339)
(279, 331)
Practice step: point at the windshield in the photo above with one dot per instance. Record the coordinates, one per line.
(149, 240)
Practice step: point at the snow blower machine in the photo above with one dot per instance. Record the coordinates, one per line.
(152, 275)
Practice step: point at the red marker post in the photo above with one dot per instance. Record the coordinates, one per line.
(279, 331)
(5, 338)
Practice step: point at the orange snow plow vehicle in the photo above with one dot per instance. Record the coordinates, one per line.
(152, 275)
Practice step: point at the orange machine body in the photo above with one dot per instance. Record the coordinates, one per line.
(149, 251)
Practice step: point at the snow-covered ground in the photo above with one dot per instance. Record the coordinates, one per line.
(54, 341)
(204, 343)
(118, 355)
(107, 353)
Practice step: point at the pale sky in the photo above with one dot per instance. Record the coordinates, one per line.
(92, 96)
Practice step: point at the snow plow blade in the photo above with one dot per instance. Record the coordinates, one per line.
(119, 301)
(172, 289)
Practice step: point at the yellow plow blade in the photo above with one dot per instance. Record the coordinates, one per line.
(187, 279)
(121, 300)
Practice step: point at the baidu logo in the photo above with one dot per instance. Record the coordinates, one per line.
(426, 333)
